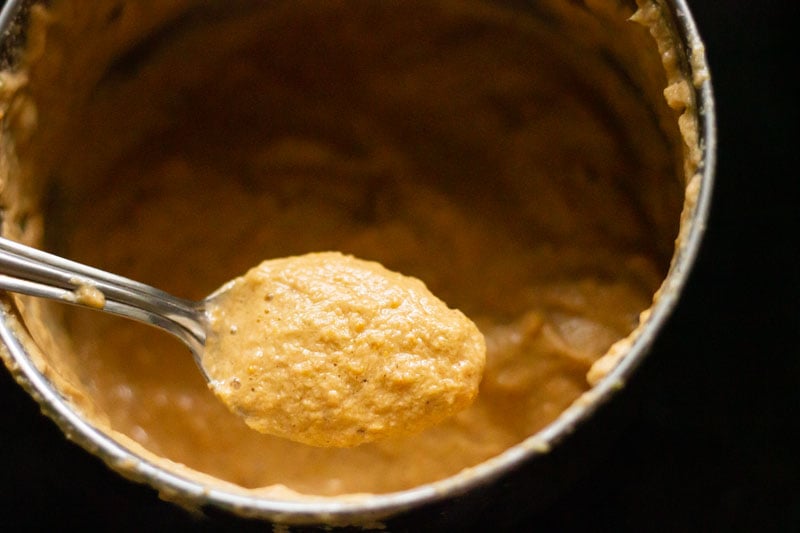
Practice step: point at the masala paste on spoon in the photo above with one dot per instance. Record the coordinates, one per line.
(331, 350)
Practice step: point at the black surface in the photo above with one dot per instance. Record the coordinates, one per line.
(712, 445)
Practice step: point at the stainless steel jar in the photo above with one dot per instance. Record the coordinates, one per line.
(524, 473)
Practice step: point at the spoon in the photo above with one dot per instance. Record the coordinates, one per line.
(33, 272)
(324, 349)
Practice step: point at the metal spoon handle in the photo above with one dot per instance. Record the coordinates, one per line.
(29, 271)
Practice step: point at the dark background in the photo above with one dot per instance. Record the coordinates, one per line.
(711, 444)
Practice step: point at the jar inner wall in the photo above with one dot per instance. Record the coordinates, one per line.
(522, 162)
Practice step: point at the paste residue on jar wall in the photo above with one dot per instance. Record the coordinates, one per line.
(524, 165)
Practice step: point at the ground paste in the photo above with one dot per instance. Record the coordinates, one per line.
(524, 166)
(330, 350)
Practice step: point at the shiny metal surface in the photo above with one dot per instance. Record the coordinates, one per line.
(33, 272)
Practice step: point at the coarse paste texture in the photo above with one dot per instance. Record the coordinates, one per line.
(330, 350)
(523, 164)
